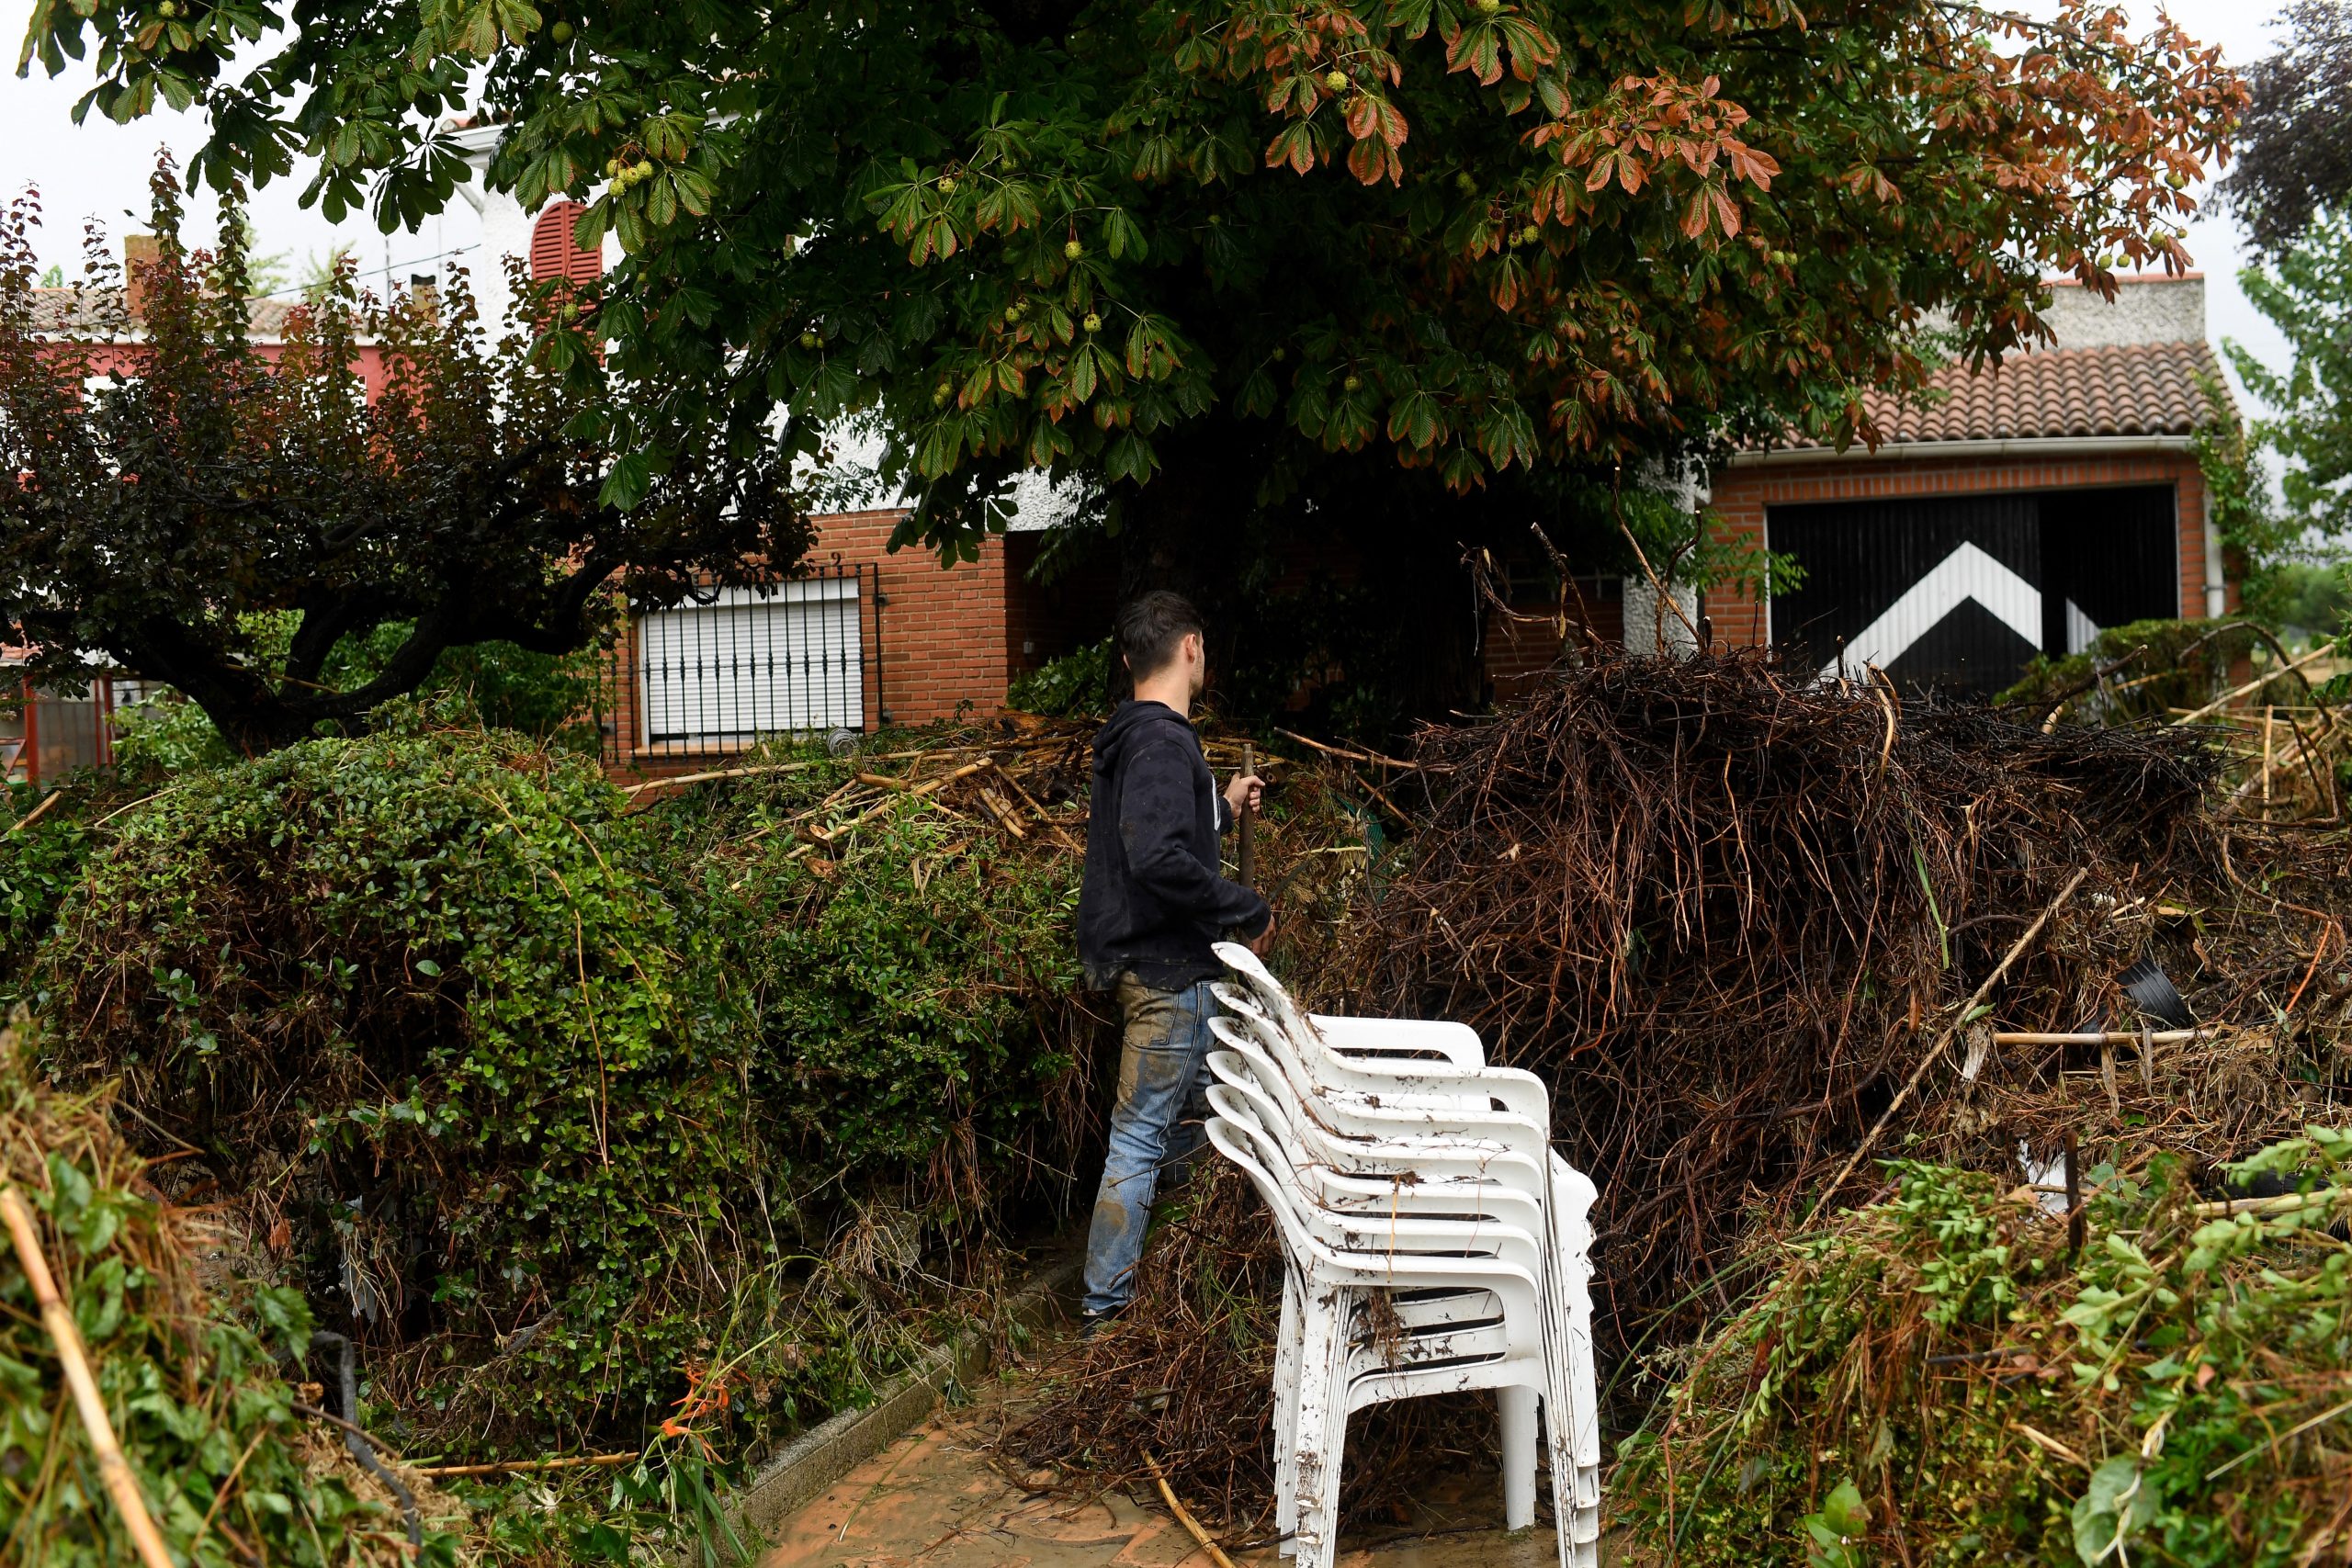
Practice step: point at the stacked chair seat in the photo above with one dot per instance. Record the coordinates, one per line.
(1433, 1242)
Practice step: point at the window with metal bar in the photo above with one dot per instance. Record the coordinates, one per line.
(779, 659)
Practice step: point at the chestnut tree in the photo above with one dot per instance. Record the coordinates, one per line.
(1409, 269)
(175, 494)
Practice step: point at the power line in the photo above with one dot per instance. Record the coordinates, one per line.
(378, 271)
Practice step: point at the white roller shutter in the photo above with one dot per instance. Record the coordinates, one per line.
(758, 662)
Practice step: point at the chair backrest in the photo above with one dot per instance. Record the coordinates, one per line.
(1280, 1080)
(1276, 1001)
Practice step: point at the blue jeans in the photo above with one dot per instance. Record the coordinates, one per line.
(1163, 1086)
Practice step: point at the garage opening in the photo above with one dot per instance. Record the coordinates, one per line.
(1958, 593)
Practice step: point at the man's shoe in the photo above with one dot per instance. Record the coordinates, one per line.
(1092, 1325)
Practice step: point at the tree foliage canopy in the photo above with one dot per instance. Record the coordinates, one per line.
(171, 491)
(2297, 156)
(1474, 236)
(2308, 299)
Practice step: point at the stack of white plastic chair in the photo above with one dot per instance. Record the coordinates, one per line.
(1435, 1242)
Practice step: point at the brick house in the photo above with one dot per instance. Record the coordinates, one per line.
(2019, 512)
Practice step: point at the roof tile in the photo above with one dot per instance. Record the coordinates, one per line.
(2116, 389)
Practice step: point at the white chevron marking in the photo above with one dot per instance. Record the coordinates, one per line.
(1967, 573)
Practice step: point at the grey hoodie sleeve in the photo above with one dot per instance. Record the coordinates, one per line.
(1156, 808)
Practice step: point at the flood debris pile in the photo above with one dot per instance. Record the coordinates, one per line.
(1725, 913)
(1948, 1376)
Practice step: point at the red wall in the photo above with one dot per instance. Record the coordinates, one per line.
(1742, 494)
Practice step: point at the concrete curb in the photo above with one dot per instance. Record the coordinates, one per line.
(813, 1461)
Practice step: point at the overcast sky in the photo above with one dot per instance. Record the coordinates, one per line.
(101, 169)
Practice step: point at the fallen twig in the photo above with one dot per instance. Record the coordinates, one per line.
(40, 808)
(1943, 1042)
(57, 1318)
(518, 1466)
(1184, 1518)
(1344, 754)
(719, 773)
(2226, 698)
(2277, 1203)
(2100, 1037)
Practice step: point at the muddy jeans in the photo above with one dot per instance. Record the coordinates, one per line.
(1163, 1083)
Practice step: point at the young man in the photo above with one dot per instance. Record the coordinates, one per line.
(1151, 904)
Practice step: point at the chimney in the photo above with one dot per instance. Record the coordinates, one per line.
(140, 252)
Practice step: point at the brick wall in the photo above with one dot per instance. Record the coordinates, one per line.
(941, 636)
(1742, 494)
(943, 633)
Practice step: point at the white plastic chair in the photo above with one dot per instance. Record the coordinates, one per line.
(1336, 1371)
(1363, 1109)
(1435, 1177)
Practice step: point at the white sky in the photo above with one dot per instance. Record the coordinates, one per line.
(101, 169)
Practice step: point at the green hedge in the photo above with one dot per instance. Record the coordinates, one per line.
(577, 1108)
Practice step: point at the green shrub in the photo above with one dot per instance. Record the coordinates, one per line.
(2152, 668)
(913, 983)
(580, 1110)
(1076, 685)
(38, 865)
(1940, 1358)
(422, 993)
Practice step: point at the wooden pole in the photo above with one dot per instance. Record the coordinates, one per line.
(1245, 853)
(120, 1485)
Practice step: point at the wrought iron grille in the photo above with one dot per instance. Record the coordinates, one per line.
(794, 656)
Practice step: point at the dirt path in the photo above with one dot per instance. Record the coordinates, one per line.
(935, 1498)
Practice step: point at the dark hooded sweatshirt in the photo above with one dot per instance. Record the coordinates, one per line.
(1152, 900)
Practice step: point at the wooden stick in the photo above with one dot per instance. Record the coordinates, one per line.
(1001, 809)
(2100, 1037)
(1031, 801)
(2226, 698)
(1184, 1518)
(720, 773)
(40, 808)
(2269, 729)
(1943, 1042)
(1344, 754)
(2279, 1203)
(516, 1466)
(120, 1485)
(1245, 843)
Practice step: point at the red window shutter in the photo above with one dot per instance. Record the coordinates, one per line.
(554, 255)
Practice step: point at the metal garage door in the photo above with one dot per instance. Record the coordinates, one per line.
(1959, 592)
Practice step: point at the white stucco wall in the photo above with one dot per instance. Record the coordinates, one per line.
(505, 230)
(2145, 309)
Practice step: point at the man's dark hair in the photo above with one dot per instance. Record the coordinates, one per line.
(1149, 628)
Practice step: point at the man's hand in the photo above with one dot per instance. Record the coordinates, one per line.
(1247, 791)
(1264, 938)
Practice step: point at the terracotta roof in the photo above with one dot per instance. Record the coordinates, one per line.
(77, 310)
(2148, 388)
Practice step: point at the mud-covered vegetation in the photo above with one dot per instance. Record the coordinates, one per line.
(192, 1364)
(1979, 1390)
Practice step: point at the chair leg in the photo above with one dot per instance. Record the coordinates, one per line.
(1322, 1421)
(1287, 1376)
(1517, 1408)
